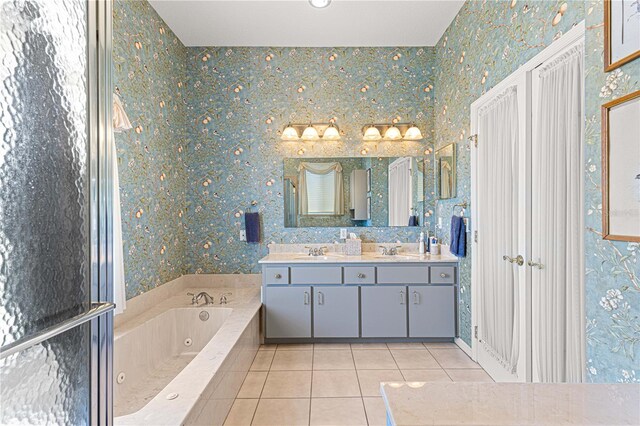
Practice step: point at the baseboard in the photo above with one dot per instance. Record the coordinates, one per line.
(465, 348)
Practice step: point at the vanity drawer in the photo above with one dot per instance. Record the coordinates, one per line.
(443, 275)
(276, 275)
(403, 274)
(359, 275)
(316, 275)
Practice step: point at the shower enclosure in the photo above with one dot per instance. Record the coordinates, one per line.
(55, 261)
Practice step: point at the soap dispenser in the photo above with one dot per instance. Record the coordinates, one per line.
(421, 243)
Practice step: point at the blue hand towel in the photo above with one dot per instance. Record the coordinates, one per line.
(458, 245)
(252, 227)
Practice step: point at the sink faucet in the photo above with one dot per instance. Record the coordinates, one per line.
(389, 251)
(317, 251)
(223, 298)
(208, 300)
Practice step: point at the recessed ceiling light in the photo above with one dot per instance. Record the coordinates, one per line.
(320, 3)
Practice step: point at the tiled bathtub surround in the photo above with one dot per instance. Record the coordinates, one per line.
(206, 373)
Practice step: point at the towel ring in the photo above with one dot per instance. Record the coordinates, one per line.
(462, 205)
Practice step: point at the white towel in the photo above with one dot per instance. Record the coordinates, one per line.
(120, 120)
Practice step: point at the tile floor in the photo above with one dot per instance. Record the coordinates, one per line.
(339, 384)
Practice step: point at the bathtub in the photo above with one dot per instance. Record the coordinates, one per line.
(181, 364)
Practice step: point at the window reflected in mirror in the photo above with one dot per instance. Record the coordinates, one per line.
(356, 191)
(446, 171)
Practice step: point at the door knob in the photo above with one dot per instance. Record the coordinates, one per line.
(535, 265)
(518, 260)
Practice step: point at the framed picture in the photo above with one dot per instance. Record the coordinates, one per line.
(621, 169)
(621, 32)
(369, 180)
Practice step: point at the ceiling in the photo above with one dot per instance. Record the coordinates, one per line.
(294, 23)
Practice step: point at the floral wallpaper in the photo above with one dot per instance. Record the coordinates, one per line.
(149, 75)
(239, 101)
(487, 41)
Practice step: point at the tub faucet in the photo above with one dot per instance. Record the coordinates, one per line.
(223, 298)
(208, 300)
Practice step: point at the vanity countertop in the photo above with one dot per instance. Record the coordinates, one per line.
(366, 257)
(419, 403)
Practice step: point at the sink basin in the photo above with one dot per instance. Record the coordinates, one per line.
(400, 256)
(324, 257)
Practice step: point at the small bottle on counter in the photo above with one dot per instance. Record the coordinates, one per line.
(421, 243)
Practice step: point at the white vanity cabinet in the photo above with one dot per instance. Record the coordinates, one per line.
(341, 300)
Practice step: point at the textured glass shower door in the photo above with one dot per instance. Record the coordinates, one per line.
(55, 318)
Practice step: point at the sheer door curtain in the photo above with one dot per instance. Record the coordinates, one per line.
(558, 289)
(498, 217)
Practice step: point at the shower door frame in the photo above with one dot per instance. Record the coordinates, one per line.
(99, 107)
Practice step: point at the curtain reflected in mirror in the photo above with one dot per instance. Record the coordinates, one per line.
(446, 171)
(356, 191)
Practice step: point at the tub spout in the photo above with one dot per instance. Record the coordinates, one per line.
(208, 299)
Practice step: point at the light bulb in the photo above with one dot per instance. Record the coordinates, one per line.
(290, 134)
(392, 134)
(331, 134)
(372, 134)
(319, 3)
(413, 134)
(310, 133)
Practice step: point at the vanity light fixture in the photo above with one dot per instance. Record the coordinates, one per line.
(310, 133)
(331, 133)
(393, 134)
(413, 133)
(319, 4)
(372, 134)
(290, 133)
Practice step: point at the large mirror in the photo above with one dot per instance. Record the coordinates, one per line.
(354, 191)
(446, 171)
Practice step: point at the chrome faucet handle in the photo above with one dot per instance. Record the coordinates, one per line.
(384, 250)
(194, 298)
(223, 298)
(322, 250)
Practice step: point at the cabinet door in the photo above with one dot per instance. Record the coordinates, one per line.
(288, 312)
(335, 312)
(431, 311)
(384, 311)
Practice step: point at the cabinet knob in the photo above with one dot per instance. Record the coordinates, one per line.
(361, 275)
(443, 275)
(278, 276)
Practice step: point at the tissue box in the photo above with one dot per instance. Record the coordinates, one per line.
(353, 247)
